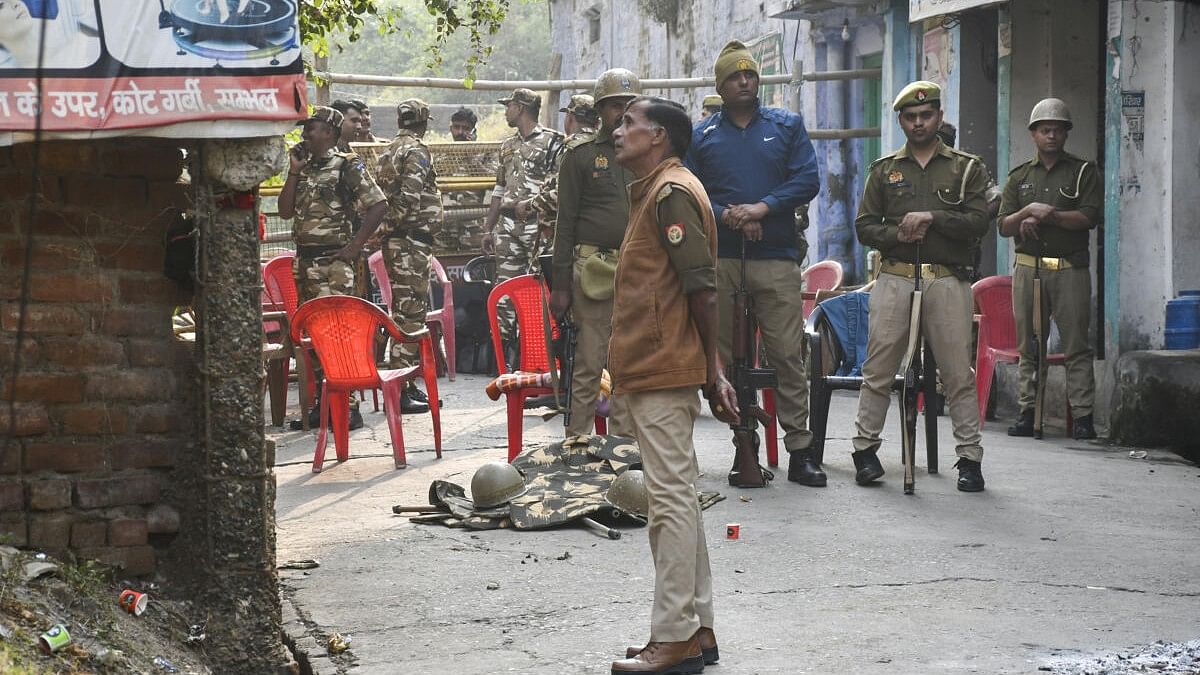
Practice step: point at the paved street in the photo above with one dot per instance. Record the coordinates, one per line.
(1075, 548)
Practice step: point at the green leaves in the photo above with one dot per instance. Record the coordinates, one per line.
(347, 19)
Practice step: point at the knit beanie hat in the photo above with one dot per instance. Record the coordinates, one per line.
(734, 57)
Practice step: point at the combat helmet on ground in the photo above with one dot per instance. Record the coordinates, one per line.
(1050, 110)
(495, 483)
(628, 493)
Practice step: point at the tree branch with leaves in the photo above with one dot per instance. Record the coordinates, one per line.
(324, 24)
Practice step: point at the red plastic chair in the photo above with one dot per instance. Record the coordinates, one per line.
(527, 294)
(281, 294)
(441, 318)
(823, 276)
(997, 341)
(342, 330)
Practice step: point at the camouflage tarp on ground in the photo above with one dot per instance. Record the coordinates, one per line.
(565, 481)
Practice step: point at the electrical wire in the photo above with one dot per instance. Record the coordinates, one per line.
(26, 271)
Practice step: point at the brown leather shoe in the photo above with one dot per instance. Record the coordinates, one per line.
(664, 658)
(708, 646)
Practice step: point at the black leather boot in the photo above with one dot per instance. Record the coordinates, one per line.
(1023, 425)
(867, 463)
(805, 470)
(1084, 429)
(410, 407)
(970, 475)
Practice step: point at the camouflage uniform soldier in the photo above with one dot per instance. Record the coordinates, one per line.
(526, 159)
(407, 176)
(580, 125)
(458, 234)
(321, 188)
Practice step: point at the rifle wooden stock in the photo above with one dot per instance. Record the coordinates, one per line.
(1039, 364)
(746, 380)
(912, 377)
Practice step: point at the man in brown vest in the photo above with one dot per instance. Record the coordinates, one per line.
(663, 348)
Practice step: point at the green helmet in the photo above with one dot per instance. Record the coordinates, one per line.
(616, 82)
(495, 483)
(628, 493)
(1050, 110)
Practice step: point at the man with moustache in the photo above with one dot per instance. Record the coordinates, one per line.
(663, 349)
(925, 202)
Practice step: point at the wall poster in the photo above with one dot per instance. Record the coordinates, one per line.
(125, 64)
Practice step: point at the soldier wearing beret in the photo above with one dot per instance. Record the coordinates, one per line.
(711, 105)
(1050, 204)
(320, 194)
(407, 177)
(511, 229)
(929, 199)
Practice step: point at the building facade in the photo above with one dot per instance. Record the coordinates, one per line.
(1125, 68)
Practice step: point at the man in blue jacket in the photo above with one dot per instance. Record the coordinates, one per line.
(758, 167)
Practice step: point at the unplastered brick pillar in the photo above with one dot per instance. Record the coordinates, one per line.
(100, 391)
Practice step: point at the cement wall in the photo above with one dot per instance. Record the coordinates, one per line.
(630, 37)
(1158, 208)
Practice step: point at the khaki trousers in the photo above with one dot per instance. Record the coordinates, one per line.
(663, 422)
(775, 286)
(593, 324)
(946, 313)
(1067, 294)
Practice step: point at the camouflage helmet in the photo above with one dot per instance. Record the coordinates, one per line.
(495, 483)
(1050, 110)
(616, 82)
(628, 493)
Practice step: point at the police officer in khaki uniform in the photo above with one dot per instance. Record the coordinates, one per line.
(321, 190)
(592, 215)
(511, 229)
(664, 348)
(929, 199)
(1050, 204)
(407, 177)
(710, 106)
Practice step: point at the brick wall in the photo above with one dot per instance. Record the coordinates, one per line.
(102, 398)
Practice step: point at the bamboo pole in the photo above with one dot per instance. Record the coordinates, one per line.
(544, 85)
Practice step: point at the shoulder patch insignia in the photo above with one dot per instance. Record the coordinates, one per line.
(675, 234)
(601, 162)
(663, 193)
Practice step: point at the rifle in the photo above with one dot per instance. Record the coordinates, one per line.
(564, 349)
(561, 349)
(1039, 350)
(746, 380)
(912, 378)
